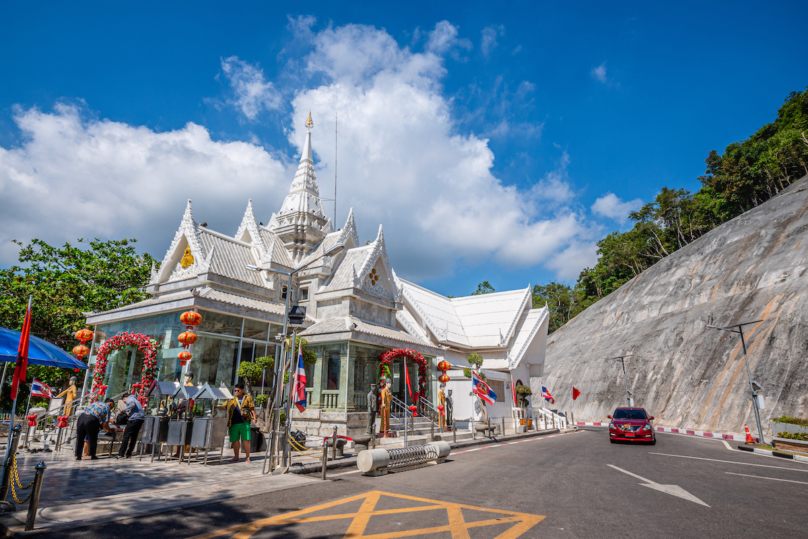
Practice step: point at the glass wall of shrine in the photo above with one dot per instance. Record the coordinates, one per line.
(224, 341)
(341, 378)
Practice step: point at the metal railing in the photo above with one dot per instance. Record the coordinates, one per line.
(399, 413)
(428, 411)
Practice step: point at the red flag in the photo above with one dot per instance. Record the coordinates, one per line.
(407, 376)
(575, 393)
(21, 368)
(513, 392)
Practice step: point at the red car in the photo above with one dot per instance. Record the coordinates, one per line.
(631, 425)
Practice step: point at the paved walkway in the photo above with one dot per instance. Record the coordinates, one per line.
(78, 493)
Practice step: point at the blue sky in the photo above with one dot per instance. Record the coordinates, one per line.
(494, 141)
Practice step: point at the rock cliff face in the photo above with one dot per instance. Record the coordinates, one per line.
(684, 373)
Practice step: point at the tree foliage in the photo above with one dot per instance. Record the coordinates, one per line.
(483, 288)
(66, 282)
(747, 174)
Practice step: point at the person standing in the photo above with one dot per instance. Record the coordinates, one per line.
(94, 418)
(136, 415)
(240, 411)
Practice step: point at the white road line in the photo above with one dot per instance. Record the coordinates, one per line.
(729, 462)
(346, 473)
(769, 478)
(727, 445)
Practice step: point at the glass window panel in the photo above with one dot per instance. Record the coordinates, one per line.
(334, 364)
(274, 330)
(223, 324)
(214, 360)
(304, 294)
(255, 329)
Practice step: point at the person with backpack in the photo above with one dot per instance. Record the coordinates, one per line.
(134, 416)
(240, 411)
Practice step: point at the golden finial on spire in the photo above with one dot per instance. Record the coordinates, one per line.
(309, 123)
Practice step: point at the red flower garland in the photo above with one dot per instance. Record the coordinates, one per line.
(121, 340)
(387, 357)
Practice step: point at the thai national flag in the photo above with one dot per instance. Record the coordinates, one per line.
(546, 395)
(300, 382)
(482, 389)
(38, 389)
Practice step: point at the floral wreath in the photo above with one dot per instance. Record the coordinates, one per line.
(122, 340)
(387, 357)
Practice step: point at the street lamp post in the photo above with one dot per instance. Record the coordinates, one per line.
(738, 328)
(279, 370)
(625, 381)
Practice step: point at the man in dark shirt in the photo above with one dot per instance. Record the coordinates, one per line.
(136, 415)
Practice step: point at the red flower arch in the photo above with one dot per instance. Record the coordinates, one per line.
(122, 340)
(387, 357)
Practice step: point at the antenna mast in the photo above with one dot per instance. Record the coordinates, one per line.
(335, 169)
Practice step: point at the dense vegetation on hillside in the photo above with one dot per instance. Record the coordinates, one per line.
(747, 174)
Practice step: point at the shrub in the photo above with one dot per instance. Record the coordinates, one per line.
(261, 400)
(803, 436)
(791, 420)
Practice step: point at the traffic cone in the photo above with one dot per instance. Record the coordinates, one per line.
(748, 435)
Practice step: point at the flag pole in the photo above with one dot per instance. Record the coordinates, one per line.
(14, 404)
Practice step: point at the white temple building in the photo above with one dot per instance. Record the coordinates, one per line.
(357, 309)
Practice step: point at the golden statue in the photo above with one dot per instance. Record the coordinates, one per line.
(387, 400)
(442, 402)
(187, 258)
(70, 395)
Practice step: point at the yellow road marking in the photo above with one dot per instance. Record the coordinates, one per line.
(458, 527)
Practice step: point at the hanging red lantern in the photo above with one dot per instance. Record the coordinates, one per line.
(81, 350)
(183, 357)
(187, 337)
(84, 335)
(190, 318)
(444, 366)
(443, 378)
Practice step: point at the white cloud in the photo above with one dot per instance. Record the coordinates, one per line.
(444, 39)
(611, 206)
(569, 262)
(489, 39)
(403, 163)
(252, 92)
(73, 177)
(599, 73)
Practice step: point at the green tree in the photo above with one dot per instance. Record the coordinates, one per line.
(66, 282)
(483, 288)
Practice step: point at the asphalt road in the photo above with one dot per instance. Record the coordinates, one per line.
(572, 485)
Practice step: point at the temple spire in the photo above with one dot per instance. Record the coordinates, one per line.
(307, 145)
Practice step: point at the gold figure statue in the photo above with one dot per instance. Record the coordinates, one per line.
(387, 400)
(70, 395)
(309, 123)
(187, 258)
(442, 402)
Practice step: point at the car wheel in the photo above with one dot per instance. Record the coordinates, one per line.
(653, 442)
(611, 440)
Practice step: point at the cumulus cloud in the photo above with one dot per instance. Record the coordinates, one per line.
(403, 164)
(599, 73)
(252, 93)
(489, 39)
(75, 177)
(403, 160)
(611, 206)
(577, 256)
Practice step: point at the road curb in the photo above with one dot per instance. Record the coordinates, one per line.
(772, 453)
(349, 462)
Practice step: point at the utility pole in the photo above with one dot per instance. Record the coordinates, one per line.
(625, 381)
(738, 328)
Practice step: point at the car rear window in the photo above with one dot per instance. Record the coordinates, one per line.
(630, 414)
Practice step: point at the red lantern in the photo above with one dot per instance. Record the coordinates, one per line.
(84, 335)
(443, 378)
(81, 350)
(31, 420)
(183, 357)
(444, 366)
(187, 337)
(191, 318)
(62, 422)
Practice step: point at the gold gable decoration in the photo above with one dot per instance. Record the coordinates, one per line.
(187, 258)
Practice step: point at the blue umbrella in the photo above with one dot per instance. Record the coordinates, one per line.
(40, 351)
